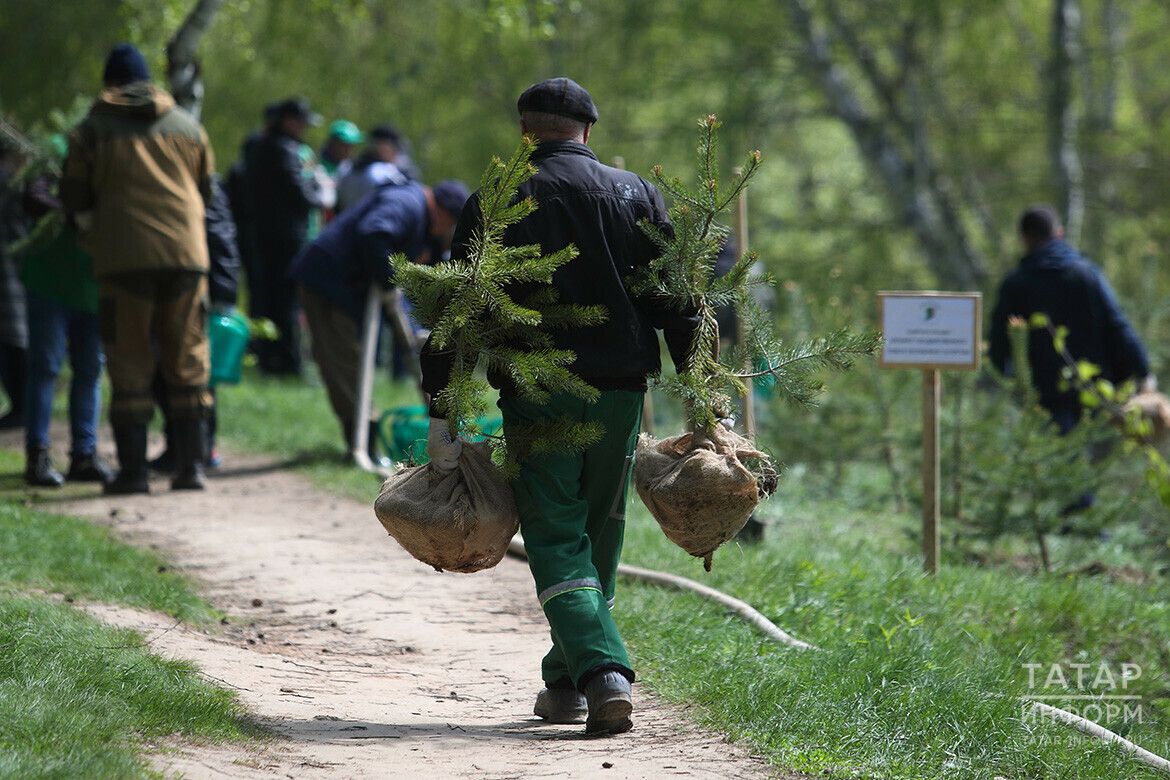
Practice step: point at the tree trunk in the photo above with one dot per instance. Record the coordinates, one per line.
(1062, 116)
(183, 71)
(920, 197)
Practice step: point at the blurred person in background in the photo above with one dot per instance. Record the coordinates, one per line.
(285, 188)
(223, 288)
(243, 207)
(337, 154)
(1054, 279)
(136, 178)
(386, 160)
(335, 273)
(62, 295)
(13, 315)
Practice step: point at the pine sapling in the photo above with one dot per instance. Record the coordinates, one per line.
(702, 486)
(685, 276)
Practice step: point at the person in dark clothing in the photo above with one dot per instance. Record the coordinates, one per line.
(335, 273)
(239, 195)
(62, 295)
(1054, 279)
(572, 506)
(284, 193)
(386, 160)
(13, 313)
(222, 292)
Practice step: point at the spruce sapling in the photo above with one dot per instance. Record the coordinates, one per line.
(468, 303)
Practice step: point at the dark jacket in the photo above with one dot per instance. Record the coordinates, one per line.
(354, 250)
(53, 264)
(597, 208)
(1057, 281)
(224, 252)
(282, 195)
(142, 167)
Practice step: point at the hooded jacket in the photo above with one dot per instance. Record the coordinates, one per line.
(141, 167)
(1056, 280)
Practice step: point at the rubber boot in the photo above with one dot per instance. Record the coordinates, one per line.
(133, 477)
(39, 471)
(190, 453)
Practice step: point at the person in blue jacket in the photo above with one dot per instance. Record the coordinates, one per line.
(1056, 280)
(335, 272)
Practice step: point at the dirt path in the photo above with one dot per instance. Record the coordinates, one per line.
(367, 663)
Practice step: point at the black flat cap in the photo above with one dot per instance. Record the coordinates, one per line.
(561, 96)
(299, 108)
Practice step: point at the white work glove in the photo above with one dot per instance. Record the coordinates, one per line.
(442, 448)
(327, 188)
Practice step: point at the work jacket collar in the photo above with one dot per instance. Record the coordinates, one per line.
(549, 148)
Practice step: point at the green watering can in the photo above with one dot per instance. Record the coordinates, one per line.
(228, 333)
(403, 432)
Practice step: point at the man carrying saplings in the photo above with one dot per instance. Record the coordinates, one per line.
(572, 505)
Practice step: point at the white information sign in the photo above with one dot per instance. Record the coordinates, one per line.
(931, 330)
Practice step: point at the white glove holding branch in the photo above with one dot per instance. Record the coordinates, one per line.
(442, 448)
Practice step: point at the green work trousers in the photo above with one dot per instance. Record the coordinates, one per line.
(572, 514)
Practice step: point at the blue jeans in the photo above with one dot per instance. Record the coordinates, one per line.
(50, 325)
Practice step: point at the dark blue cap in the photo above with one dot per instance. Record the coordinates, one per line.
(125, 65)
(451, 195)
(561, 96)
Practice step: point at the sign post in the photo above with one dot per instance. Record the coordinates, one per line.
(741, 239)
(932, 332)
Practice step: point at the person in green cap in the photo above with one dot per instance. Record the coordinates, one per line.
(337, 153)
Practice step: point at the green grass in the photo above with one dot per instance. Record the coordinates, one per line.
(917, 677)
(292, 420)
(77, 697)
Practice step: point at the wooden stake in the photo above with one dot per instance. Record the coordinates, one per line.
(931, 392)
(741, 239)
(647, 398)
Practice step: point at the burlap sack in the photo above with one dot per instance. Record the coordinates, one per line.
(461, 521)
(698, 488)
(1155, 409)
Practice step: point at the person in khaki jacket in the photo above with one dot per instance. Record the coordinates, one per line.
(136, 178)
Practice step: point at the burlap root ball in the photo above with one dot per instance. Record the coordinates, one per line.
(460, 521)
(698, 487)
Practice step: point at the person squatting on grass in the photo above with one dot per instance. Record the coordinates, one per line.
(136, 178)
(572, 505)
(336, 270)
